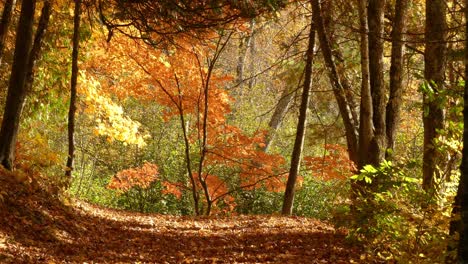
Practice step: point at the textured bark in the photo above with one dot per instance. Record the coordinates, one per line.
(37, 44)
(5, 24)
(434, 73)
(301, 127)
(459, 222)
(16, 87)
(73, 92)
(396, 72)
(375, 19)
(336, 81)
(366, 131)
(280, 111)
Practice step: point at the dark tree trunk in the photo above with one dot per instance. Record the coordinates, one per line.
(459, 223)
(375, 19)
(396, 73)
(5, 24)
(338, 89)
(37, 44)
(16, 87)
(74, 79)
(301, 127)
(434, 74)
(366, 131)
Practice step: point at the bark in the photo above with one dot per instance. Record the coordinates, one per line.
(375, 19)
(253, 54)
(396, 73)
(462, 193)
(244, 46)
(5, 24)
(338, 89)
(244, 42)
(280, 111)
(459, 222)
(366, 132)
(434, 74)
(16, 87)
(73, 92)
(37, 44)
(301, 127)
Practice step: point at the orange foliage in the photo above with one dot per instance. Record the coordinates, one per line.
(141, 177)
(334, 165)
(177, 79)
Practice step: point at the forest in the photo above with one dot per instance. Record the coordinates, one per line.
(235, 131)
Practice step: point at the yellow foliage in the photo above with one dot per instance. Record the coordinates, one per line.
(110, 118)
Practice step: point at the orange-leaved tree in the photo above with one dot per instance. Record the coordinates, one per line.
(220, 158)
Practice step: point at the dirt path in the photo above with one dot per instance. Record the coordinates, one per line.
(35, 229)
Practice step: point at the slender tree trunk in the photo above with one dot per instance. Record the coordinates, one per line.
(459, 222)
(16, 87)
(301, 127)
(253, 54)
(366, 132)
(5, 24)
(375, 19)
(434, 74)
(396, 73)
(73, 92)
(244, 46)
(37, 44)
(335, 79)
(280, 111)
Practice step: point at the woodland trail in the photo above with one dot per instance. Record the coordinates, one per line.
(36, 228)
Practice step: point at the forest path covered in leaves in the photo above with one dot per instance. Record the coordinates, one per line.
(36, 228)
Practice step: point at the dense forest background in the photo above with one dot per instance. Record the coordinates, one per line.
(349, 112)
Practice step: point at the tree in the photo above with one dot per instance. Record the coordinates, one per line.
(396, 72)
(16, 87)
(459, 221)
(375, 17)
(341, 89)
(301, 127)
(366, 126)
(434, 75)
(5, 24)
(74, 79)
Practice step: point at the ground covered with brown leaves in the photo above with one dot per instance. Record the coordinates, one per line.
(35, 227)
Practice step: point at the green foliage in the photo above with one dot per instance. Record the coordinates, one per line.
(318, 198)
(396, 217)
(259, 201)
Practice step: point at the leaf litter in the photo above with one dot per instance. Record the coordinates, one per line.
(36, 227)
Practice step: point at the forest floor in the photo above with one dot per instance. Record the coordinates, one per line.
(36, 227)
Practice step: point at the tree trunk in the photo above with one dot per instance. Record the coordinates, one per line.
(37, 44)
(396, 73)
(366, 132)
(244, 46)
(375, 19)
(338, 89)
(280, 111)
(5, 24)
(301, 127)
(16, 87)
(434, 74)
(253, 54)
(459, 222)
(74, 80)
